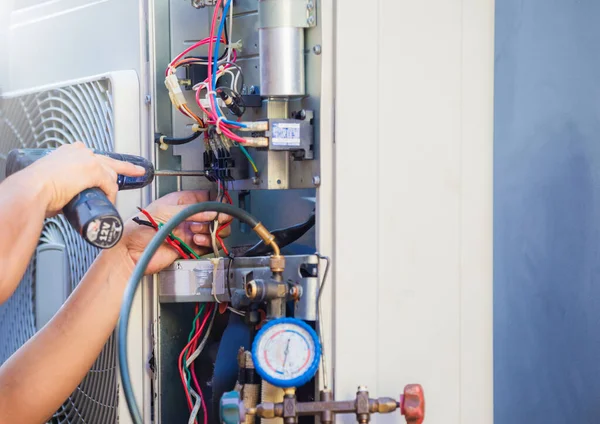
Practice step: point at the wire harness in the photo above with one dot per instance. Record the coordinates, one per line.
(140, 269)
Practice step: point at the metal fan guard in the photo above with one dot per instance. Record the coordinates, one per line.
(48, 119)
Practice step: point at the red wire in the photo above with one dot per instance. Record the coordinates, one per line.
(180, 364)
(201, 396)
(173, 243)
(189, 49)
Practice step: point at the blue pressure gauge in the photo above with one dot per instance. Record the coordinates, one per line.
(286, 352)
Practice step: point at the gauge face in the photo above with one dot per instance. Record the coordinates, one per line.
(286, 352)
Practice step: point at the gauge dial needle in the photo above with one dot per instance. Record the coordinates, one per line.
(286, 352)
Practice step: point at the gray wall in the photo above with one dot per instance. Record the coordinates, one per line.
(547, 212)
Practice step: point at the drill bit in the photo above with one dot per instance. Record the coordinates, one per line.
(170, 173)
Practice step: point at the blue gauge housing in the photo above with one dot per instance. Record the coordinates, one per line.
(300, 380)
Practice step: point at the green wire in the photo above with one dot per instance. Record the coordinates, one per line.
(186, 369)
(245, 152)
(183, 243)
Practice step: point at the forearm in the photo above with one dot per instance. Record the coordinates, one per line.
(37, 379)
(22, 210)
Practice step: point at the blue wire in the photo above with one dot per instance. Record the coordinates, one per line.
(214, 65)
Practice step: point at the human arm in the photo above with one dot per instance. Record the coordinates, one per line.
(40, 376)
(42, 190)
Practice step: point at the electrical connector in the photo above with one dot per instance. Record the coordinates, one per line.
(255, 126)
(175, 92)
(238, 45)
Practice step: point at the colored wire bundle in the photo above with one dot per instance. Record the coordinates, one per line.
(184, 250)
(138, 274)
(185, 365)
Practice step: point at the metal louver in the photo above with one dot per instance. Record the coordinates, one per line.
(48, 119)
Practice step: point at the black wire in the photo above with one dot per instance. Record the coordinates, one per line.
(173, 141)
(142, 222)
(226, 44)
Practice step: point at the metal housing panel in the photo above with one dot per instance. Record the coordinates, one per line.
(417, 308)
(80, 38)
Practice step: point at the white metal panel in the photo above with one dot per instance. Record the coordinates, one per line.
(413, 203)
(62, 40)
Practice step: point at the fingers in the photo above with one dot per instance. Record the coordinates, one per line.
(210, 216)
(121, 167)
(200, 227)
(167, 211)
(204, 228)
(108, 183)
(202, 240)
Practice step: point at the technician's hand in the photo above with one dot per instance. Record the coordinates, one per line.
(72, 168)
(195, 231)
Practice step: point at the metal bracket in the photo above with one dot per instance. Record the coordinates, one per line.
(203, 281)
(287, 13)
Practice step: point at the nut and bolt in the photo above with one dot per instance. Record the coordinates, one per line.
(317, 49)
(252, 90)
(316, 180)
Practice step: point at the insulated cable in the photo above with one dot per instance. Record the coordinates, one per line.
(174, 141)
(140, 269)
(202, 344)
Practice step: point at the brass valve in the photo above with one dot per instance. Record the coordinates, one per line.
(411, 405)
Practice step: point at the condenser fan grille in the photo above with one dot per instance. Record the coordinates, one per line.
(48, 119)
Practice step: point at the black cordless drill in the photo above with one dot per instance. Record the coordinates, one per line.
(90, 213)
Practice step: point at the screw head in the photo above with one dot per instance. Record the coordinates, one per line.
(311, 20)
(179, 265)
(316, 180)
(252, 89)
(310, 5)
(317, 49)
(255, 180)
(148, 99)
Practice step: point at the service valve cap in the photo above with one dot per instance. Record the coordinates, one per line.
(412, 404)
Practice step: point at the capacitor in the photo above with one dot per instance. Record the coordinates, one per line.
(281, 38)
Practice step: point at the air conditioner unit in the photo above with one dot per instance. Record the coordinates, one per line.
(402, 183)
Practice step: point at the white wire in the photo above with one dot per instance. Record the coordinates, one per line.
(196, 408)
(235, 311)
(230, 31)
(200, 347)
(237, 77)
